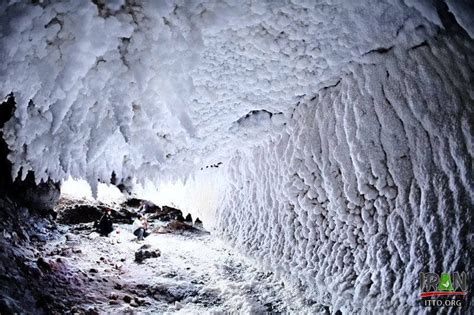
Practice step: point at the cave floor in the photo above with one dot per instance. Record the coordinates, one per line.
(194, 274)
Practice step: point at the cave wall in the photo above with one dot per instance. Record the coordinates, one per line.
(26, 212)
(25, 191)
(370, 184)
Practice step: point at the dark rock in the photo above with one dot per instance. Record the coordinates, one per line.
(65, 252)
(80, 213)
(172, 294)
(38, 238)
(8, 306)
(127, 299)
(82, 227)
(198, 222)
(139, 301)
(42, 197)
(71, 237)
(76, 250)
(93, 270)
(146, 252)
(43, 264)
(167, 214)
(113, 296)
(133, 203)
(189, 218)
(148, 206)
(176, 226)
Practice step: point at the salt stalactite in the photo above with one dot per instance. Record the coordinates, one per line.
(153, 89)
(345, 127)
(370, 185)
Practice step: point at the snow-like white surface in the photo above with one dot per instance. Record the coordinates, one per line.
(371, 184)
(80, 189)
(345, 127)
(200, 195)
(160, 89)
(202, 273)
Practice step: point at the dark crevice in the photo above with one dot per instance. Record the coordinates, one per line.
(101, 8)
(380, 50)
(7, 108)
(331, 86)
(422, 44)
(448, 19)
(256, 112)
(123, 50)
(53, 21)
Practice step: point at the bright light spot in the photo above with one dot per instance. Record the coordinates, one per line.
(80, 189)
(199, 196)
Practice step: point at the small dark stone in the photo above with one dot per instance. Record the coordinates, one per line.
(198, 222)
(143, 253)
(43, 264)
(127, 299)
(93, 270)
(166, 214)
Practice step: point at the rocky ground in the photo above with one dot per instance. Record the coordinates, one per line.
(180, 268)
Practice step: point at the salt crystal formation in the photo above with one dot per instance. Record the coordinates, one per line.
(345, 127)
(370, 185)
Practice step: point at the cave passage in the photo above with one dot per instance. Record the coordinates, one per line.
(65, 265)
(192, 274)
(297, 156)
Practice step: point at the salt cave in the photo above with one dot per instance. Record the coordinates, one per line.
(326, 147)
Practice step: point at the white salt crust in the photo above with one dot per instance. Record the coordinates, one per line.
(370, 185)
(158, 89)
(345, 127)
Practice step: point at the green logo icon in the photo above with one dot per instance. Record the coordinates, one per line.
(445, 283)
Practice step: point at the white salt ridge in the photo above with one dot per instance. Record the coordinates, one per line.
(371, 184)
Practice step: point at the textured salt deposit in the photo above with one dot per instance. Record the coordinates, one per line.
(158, 88)
(345, 127)
(370, 185)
